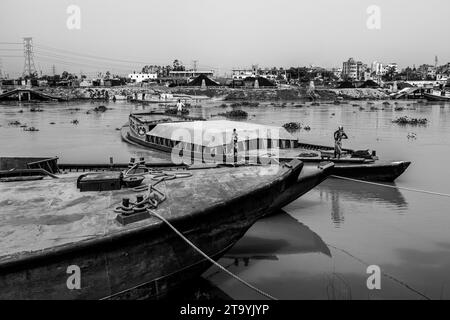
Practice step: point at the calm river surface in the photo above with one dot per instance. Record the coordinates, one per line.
(321, 245)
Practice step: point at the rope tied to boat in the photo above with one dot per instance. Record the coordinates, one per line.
(154, 196)
(393, 187)
(259, 291)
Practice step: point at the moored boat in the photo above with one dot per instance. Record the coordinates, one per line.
(50, 231)
(190, 140)
(442, 96)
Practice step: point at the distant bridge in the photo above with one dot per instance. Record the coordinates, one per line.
(23, 94)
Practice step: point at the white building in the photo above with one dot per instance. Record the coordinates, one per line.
(377, 68)
(240, 74)
(139, 77)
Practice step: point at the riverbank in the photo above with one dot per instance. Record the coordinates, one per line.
(217, 93)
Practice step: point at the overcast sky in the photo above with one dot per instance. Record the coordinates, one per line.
(223, 34)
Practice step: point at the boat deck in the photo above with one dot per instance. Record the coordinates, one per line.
(38, 216)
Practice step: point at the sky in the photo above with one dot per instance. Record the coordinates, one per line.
(221, 35)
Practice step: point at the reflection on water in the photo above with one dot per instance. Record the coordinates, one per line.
(321, 246)
(275, 235)
(337, 190)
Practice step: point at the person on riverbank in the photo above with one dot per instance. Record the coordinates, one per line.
(180, 106)
(339, 134)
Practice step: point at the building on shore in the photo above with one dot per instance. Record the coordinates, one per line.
(241, 74)
(139, 77)
(190, 74)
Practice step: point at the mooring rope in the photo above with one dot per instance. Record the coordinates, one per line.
(402, 283)
(393, 187)
(209, 259)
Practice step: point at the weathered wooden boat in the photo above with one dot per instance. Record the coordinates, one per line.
(190, 139)
(60, 243)
(437, 97)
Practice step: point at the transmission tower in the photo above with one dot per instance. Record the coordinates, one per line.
(29, 68)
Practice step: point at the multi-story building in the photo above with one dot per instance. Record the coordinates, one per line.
(377, 68)
(353, 70)
(350, 69)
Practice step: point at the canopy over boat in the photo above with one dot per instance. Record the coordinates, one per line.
(217, 132)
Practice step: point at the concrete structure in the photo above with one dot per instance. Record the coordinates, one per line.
(241, 74)
(139, 77)
(190, 74)
(353, 70)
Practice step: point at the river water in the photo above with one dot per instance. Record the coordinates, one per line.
(320, 246)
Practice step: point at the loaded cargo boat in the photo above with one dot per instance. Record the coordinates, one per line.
(55, 227)
(193, 139)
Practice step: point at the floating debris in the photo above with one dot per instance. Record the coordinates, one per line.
(298, 106)
(292, 126)
(386, 103)
(223, 105)
(410, 121)
(14, 123)
(174, 111)
(234, 114)
(74, 122)
(362, 108)
(307, 128)
(32, 129)
(399, 108)
(315, 104)
(411, 136)
(36, 110)
(337, 102)
(52, 123)
(249, 104)
(100, 109)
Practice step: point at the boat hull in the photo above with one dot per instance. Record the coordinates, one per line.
(377, 171)
(433, 97)
(143, 263)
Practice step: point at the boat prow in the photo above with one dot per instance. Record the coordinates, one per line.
(50, 230)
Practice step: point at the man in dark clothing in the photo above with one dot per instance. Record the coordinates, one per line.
(338, 136)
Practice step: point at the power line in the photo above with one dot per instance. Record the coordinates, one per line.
(82, 60)
(47, 48)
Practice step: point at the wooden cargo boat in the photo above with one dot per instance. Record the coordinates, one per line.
(437, 97)
(192, 139)
(49, 229)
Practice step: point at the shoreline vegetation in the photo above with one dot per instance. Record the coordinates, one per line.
(225, 94)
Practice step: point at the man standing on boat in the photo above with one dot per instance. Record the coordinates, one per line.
(180, 106)
(235, 144)
(339, 134)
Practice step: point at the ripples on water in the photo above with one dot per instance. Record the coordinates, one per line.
(320, 246)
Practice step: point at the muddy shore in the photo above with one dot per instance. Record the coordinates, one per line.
(289, 94)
